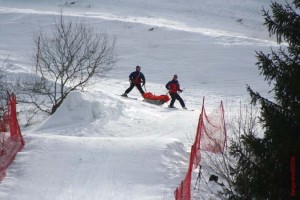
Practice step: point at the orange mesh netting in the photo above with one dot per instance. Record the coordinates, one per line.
(211, 132)
(11, 141)
(210, 136)
(183, 192)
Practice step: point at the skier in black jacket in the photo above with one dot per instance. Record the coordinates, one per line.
(136, 78)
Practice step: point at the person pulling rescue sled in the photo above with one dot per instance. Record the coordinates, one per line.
(173, 86)
(136, 78)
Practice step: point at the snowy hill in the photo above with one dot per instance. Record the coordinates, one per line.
(99, 145)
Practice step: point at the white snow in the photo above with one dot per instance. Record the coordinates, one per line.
(99, 145)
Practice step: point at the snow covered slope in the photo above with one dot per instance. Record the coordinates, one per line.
(99, 145)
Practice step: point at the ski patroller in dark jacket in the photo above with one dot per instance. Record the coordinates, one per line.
(173, 86)
(137, 77)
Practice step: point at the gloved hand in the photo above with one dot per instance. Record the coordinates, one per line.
(143, 84)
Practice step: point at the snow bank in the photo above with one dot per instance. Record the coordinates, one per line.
(79, 109)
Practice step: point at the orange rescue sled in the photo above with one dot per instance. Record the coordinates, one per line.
(154, 99)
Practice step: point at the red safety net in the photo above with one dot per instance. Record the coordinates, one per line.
(183, 192)
(210, 136)
(11, 140)
(211, 132)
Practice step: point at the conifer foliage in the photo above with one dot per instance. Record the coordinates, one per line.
(263, 168)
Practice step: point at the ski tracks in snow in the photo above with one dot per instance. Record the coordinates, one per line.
(226, 37)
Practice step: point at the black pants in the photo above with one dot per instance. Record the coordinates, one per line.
(175, 96)
(138, 86)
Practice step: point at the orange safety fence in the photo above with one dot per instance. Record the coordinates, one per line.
(11, 140)
(210, 136)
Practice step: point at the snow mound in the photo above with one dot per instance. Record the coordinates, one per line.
(79, 110)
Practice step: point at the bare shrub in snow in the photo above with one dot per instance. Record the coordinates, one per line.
(67, 60)
(3, 85)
